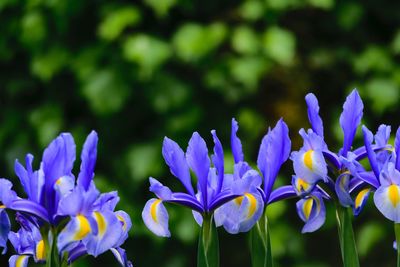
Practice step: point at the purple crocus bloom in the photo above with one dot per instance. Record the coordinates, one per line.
(314, 163)
(240, 214)
(55, 197)
(212, 191)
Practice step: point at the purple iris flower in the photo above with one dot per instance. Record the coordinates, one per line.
(240, 214)
(315, 165)
(61, 209)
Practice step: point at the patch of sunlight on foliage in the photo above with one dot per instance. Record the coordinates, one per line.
(194, 41)
(46, 65)
(33, 28)
(276, 210)
(186, 228)
(116, 21)
(183, 121)
(383, 93)
(350, 15)
(105, 92)
(373, 58)
(245, 40)
(252, 124)
(280, 45)
(323, 4)
(248, 70)
(283, 4)
(285, 241)
(144, 160)
(396, 43)
(252, 10)
(47, 121)
(161, 7)
(368, 237)
(147, 51)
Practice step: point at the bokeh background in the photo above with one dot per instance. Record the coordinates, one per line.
(136, 71)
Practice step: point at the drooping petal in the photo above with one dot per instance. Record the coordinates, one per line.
(18, 261)
(5, 227)
(161, 191)
(310, 165)
(155, 217)
(313, 114)
(350, 119)
(218, 160)
(236, 145)
(120, 255)
(274, 151)
(27, 206)
(312, 211)
(108, 234)
(361, 200)
(301, 186)
(387, 201)
(175, 159)
(40, 251)
(126, 224)
(88, 160)
(198, 160)
(240, 214)
(77, 229)
(282, 192)
(342, 189)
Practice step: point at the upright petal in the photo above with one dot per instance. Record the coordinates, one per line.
(155, 217)
(120, 255)
(397, 148)
(5, 227)
(198, 160)
(218, 160)
(236, 145)
(382, 135)
(274, 151)
(312, 211)
(88, 160)
(368, 138)
(175, 159)
(350, 119)
(161, 191)
(313, 114)
(18, 261)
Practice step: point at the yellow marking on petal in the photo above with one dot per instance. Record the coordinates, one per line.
(20, 261)
(307, 207)
(153, 210)
(394, 197)
(253, 204)
(360, 196)
(239, 200)
(2, 206)
(40, 251)
(121, 219)
(84, 228)
(59, 180)
(302, 185)
(308, 161)
(101, 222)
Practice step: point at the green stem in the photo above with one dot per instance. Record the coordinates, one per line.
(52, 258)
(346, 237)
(397, 233)
(260, 244)
(208, 249)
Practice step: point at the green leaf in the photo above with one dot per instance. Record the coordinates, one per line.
(116, 21)
(346, 237)
(397, 233)
(280, 45)
(161, 7)
(208, 250)
(261, 255)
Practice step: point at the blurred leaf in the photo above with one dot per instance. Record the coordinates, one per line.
(280, 45)
(245, 40)
(396, 43)
(47, 121)
(248, 70)
(46, 65)
(252, 10)
(324, 4)
(147, 51)
(116, 21)
(144, 160)
(368, 237)
(193, 41)
(252, 124)
(33, 28)
(383, 93)
(161, 7)
(105, 92)
(349, 15)
(373, 58)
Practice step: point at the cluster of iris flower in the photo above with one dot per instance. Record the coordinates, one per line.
(238, 200)
(61, 218)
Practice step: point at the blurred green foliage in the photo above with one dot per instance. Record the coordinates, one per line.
(136, 71)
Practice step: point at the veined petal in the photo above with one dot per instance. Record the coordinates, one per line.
(108, 234)
(155, 217)
(77, 229)
(313, 114)
(361, 199)
(301, 186)
(18, 261)
(175, 159)
(198, 160)
(5, 227)
(236, 145)
(218, 160)
(88, 160)
(387, 200)
(274, 151)
(312, 211)
(240, 214)
(342, 189)
(350, 119)
(120, 255)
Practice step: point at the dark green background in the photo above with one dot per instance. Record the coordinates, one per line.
(136, 71)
